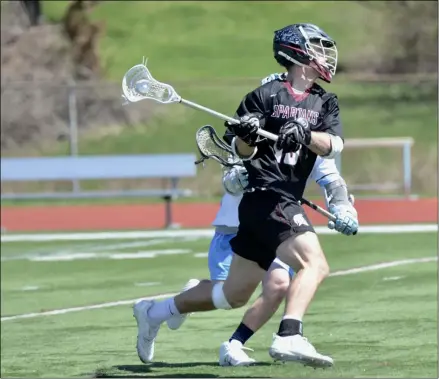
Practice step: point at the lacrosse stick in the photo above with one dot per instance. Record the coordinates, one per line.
(211, 146)
(138, 84)
(322, 211)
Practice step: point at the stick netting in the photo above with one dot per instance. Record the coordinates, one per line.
(211, 146)
(138, 84)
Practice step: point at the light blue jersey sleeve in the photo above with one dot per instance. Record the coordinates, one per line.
(325, 171)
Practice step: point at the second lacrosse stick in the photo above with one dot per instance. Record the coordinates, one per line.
(211, 146)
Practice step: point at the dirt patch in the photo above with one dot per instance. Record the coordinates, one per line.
(42, 79)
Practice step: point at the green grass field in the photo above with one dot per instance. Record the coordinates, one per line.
(214, 56)
(204, 40)
(377, 323)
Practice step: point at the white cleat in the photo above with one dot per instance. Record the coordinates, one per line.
(233, 354)
(146, 331)
(298, 349)
(176, 321)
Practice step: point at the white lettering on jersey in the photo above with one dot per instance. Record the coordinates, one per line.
(290, 158)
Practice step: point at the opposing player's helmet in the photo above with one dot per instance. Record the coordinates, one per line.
(306, 45)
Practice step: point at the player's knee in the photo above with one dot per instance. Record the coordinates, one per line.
(281, 290)
(324, 271)
(239, 298)
(309, 247)
(236, 299)
(238, 302)
(276, 295)
(219, 299)
(276, 292)
(321, 265)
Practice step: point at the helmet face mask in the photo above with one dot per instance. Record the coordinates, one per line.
(306, 45)
(323, 54)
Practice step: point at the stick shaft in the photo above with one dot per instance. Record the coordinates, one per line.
(262, 133)
(304, 201)
(223, 117)
(322, 211)
(207, 110)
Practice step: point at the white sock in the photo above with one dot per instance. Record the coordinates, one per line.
(163, 310)
(286, 317)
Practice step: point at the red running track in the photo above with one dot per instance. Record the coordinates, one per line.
(193, 215)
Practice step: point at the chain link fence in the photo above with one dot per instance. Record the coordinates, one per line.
(57, 118)
(37, 114)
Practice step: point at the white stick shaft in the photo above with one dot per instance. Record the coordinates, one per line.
(268, 135)
(262, 133)
(191, 104)
(208, 110)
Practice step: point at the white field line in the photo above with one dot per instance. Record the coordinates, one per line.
(196, 233)
(78, 309)
(391, 278)
(127, 245)
(68, 257)
(97, 251)
(147, 284)
(100, 256)
(201, 255)
(352, 271)
(380, 266)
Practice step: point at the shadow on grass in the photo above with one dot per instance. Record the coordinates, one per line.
(137, 371)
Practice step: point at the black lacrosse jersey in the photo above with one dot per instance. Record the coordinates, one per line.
(276, 104)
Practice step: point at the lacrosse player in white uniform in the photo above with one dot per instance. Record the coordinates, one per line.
(277, 279)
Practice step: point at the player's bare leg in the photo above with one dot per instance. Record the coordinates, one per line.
(275, 286)
(244, 277)
(306, 256)
(176, 321)
(146, 332)
(303, 253)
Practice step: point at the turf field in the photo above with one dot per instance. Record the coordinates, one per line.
(376, 322)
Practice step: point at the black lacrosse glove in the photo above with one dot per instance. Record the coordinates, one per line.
(246, 129)
(293, 134)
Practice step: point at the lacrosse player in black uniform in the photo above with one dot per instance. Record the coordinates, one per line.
(272, 222)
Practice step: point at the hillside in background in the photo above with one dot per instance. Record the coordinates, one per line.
(215, 52)
(232, 39)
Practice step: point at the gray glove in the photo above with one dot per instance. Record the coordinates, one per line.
(347, 218)
(235, 180)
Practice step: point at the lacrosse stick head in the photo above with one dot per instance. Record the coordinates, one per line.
(138, 84)
(211, 146)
